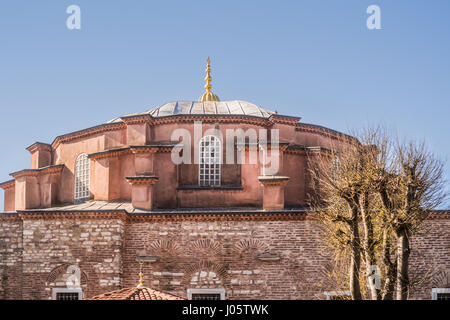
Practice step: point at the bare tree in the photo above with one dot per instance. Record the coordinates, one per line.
(372, 195)
(410, 189)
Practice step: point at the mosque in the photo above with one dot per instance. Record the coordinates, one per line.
(168, 193)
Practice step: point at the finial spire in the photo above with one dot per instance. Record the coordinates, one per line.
(141, 277)
(208, 95)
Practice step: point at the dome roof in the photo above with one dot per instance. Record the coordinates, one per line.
(235, 107)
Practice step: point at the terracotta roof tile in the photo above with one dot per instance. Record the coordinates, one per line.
(136, 294)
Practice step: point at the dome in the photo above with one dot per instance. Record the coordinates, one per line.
(235, 107)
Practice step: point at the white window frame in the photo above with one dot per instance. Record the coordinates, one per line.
(330, 294)
(55, 291)
(82, 178)
(213, 163)
(435, 291)
(206, 291)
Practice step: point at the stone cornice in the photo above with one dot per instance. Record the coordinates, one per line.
(112, 153)
(232, 216)
(8, 184)
(333, 134)
(13, 216)
(54, 215)
(273, 180)
(149, 148)
(156, 147)
(138, 119)
(142, 180)
(53, 169)
(288, 120)
(178, 215)
(205, 118)
(87, 132)
(299, 149)
(39, 146)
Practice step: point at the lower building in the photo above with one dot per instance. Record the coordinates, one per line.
(217, 254)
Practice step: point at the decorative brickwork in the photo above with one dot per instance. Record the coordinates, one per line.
(37, 255)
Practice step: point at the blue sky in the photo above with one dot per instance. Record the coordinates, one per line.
(313, 59)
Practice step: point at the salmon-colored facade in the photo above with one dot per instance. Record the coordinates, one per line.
(130, 158)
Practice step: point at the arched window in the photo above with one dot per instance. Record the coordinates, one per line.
(82, 175)
(210, 155)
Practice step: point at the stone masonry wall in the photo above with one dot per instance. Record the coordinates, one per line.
(10, 258)
(430, 259)
(36, 256)
(52, 246)
(223, 254)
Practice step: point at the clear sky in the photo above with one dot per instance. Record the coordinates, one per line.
(313, 59)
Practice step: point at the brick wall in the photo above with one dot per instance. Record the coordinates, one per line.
(430, 258)
(10, 258)
(192, 253)
(223, 254)
(52, 246)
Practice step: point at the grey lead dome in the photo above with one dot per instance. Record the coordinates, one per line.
(235, 107)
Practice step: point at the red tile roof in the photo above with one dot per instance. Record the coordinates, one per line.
(136, 294)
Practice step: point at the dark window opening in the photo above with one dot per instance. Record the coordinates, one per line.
(206, 296)
(67, 296)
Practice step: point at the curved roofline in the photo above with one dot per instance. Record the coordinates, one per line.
(186, 107)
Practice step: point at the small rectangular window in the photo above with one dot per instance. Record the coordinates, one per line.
(337, 295)
(440, 294)
(67, 294)
(206, 294)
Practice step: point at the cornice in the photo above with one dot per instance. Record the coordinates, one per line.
(299, 149)
(267, 181)
(205, 118)
(156, 147)
(8, 184)
(333, 134)
(138, 119)
(53, 169)
(148, 148)
(142, 180)
(178, 215)
(54, 215)
(39, 145)
(282, 119)
(112, 153)
(87, 132)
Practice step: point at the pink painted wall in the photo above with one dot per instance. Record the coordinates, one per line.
(108, 180)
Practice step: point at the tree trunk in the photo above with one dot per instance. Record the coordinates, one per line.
(390, 268)
(369, 250)
(403, 251)
(355, 262)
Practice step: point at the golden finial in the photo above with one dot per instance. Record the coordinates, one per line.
(208, 95)
(141, 277)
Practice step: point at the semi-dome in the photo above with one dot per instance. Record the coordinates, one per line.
(234, 107)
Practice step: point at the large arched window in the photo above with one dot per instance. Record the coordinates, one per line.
(210, 155)
(82, 175)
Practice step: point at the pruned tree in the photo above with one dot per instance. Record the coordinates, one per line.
(372, 195)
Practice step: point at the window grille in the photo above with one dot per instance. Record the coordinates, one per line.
(206, 296)
(67, 296)
(82, 176)
(209, 164)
